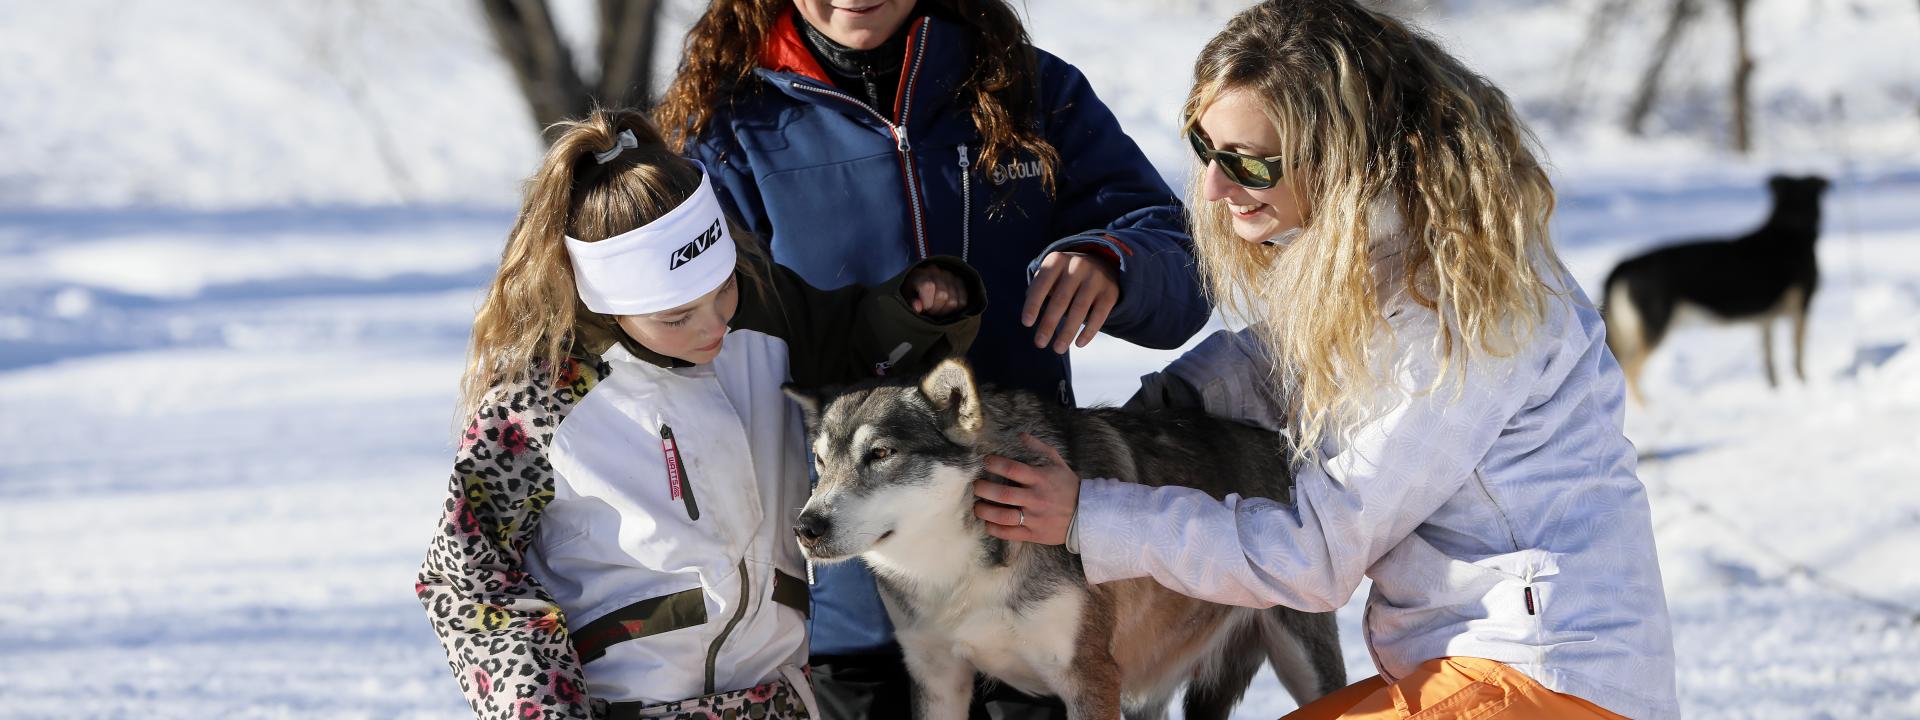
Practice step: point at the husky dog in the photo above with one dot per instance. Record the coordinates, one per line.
(897, 462)
(1760, 276)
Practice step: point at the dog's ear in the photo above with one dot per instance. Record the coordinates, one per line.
(1818, 183)
(1779, 183)
(810, 400)
(953, 394)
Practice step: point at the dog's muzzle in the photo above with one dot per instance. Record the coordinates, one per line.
(811, 528)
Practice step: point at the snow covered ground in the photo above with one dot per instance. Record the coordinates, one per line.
(230, 336)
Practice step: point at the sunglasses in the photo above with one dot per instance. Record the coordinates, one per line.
(1247, 171)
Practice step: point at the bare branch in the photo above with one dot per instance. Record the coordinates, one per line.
(1601, 26)
(542, 64)
(626, 52)
(1679, 17)
(1742, 80)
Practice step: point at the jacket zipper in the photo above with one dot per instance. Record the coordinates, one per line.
(1528, 597)
(966, 205)
(901, 145)
(899, 351)
(679, 483)
(713, 651)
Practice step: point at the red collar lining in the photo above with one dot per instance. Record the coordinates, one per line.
(784, 52)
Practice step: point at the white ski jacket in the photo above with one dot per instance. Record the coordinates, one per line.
(674, 491)
(1505, 524)
(626, 540)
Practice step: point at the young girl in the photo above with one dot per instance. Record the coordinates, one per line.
(1375, 211)
(617, 541)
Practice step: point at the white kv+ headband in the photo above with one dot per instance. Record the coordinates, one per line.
(661, 265)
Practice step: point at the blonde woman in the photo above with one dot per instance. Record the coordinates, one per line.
(616, 536)
(1375, 212)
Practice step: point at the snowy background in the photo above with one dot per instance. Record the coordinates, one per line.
(241, 241)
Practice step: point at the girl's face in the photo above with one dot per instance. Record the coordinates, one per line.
(692, 332)
(1235, 123)
(858, 24)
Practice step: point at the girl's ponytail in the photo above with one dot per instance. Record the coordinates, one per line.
(589, 187)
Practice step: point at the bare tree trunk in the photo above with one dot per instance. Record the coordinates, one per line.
(626, 52)
(1679, 16)
(1742, 81)
(542, 65)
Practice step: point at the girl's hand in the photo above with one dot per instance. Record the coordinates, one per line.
(935, 292)
(1043, 498)
(1083, 289)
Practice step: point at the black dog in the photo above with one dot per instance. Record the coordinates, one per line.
(1759, 276)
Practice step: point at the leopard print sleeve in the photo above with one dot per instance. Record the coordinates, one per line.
(505, 639)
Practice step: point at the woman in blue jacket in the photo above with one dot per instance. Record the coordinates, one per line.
(858, 136)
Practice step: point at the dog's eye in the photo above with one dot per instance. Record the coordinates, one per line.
(878, 454)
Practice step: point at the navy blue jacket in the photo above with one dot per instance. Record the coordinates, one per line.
(845, 193)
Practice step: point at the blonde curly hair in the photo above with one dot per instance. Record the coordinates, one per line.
(1378, 125)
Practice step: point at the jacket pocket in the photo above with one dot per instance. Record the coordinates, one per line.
(652, 616)
(1479, 695)
(1477, 700)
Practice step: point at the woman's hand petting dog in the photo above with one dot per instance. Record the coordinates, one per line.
(1083, 289)
(1042, 499)
(935, 292)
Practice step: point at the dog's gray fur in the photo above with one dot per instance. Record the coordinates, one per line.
(896, 464)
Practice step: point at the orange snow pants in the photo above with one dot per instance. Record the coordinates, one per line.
(1451, 687)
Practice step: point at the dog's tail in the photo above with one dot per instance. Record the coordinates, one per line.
(1627, 328)
(1634, 324)
(1613, 295)
(1302, 647)
(1305, 651)
(1635, 304)
(1219, 686)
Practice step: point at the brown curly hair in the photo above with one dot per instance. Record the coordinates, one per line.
(723, 48)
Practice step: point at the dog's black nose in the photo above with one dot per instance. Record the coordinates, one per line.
(812, 527)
